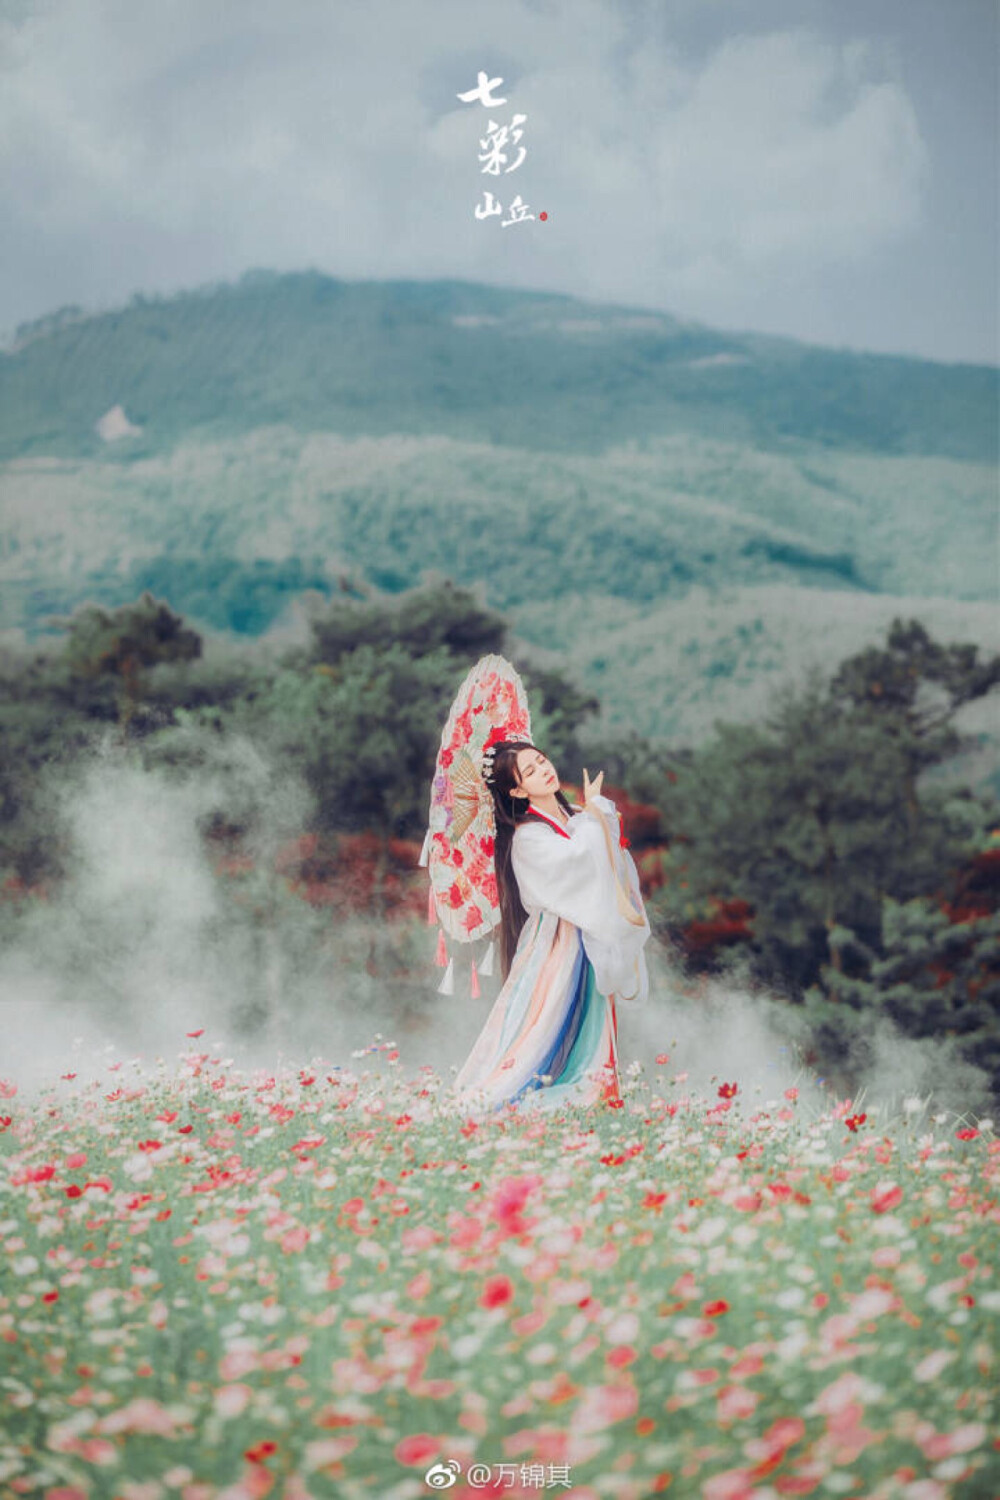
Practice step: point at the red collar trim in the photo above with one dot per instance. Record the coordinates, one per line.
(534, 813)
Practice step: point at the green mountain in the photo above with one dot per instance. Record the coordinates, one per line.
(477, 363)
(687, 517)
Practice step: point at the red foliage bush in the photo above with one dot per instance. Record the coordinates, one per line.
(730, 923)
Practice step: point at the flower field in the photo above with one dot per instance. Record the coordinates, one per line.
(326, 1283)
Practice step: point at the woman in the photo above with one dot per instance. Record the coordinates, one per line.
(572, 933)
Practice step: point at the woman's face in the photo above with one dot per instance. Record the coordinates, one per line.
(536, 775)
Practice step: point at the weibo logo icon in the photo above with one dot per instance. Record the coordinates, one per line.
(443, 1476)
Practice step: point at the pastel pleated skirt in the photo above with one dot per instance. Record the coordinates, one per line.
(551, 1037)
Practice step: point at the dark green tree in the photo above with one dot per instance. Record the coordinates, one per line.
(122, 644)
(420, 620)
(912, 689)
(815, 817)
(935, 973)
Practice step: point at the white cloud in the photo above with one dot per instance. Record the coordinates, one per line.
(157, 146)
(757, 169)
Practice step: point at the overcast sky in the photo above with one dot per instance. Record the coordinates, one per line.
(825, 169)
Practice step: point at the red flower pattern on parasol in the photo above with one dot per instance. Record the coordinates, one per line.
(490, 706)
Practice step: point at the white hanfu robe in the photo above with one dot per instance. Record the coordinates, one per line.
(551, 1037)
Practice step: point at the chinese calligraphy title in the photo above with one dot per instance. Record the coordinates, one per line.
(500, 140)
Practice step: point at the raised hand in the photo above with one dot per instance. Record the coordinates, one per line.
(591, 789)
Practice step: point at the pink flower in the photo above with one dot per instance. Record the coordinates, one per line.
(735, 1402)
(232, 1400)
(840, 1394)
(603, 1405)
(417, 1449)
(886, 1196)
(325, 1451)
(734, 1484)
(509, 1198)
(466, 1232)
(141, 1415)
(943, 1444)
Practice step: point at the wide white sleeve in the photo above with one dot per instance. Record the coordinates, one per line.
(593, 883)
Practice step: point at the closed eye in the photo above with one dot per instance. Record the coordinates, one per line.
(538, 765)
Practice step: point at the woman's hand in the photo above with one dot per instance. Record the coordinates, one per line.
(591, 789)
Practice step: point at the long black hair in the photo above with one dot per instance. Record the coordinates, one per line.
(510, 812)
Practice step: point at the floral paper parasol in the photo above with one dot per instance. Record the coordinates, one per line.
(490, 706)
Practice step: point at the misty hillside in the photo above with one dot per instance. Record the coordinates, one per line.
(686, 517)
(477, 363)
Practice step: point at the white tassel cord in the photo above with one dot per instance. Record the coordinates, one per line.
(425, 850)
(486, 967)
(447, 985)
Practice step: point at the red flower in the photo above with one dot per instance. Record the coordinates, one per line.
(728, 1090)
(259, 1452)
(853, 1121)
(968, 1134)
(716, 1309)
(446, 758)
(496, 1291)
(454, 897)
(486, 845)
